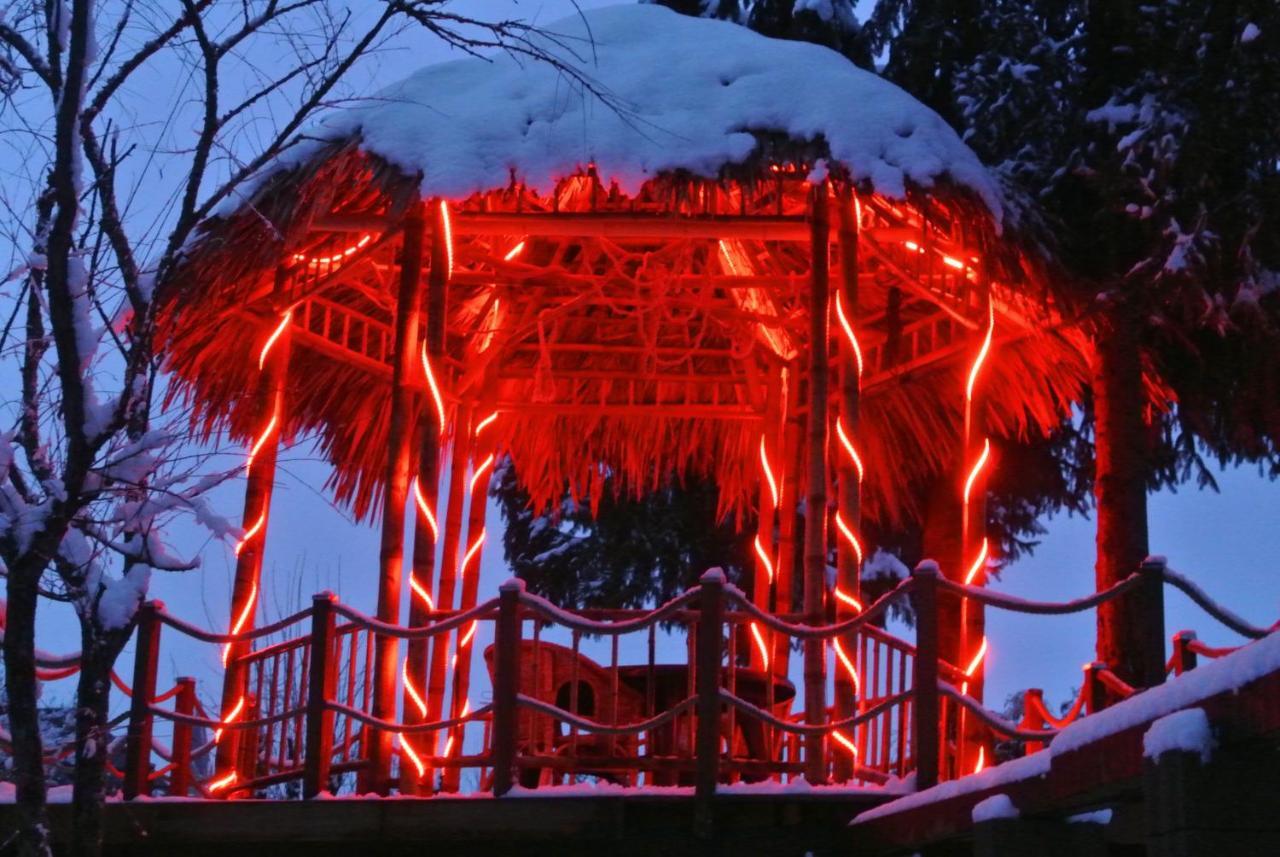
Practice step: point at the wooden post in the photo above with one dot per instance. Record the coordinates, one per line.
(848, 476)
(925, 709)
(506, 685)
(1095, 692)
(273, 352)
(395, 492)
(437, 671)
(146, 660)
(770, 498)
(426, 533)
(707, 740)
(788, 506)
(1030, 720)
(1150, 595)
(1184, 657)
(185, 703)
(321, 679)
(815, 516)
(477, 508)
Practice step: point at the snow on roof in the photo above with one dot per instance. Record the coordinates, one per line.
(688, 94)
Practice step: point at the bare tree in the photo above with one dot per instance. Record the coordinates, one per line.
(90, 476)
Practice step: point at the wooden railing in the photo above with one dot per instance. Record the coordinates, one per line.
(306, 722)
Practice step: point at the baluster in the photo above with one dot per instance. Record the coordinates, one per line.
(1184, 656)
(180, 779)
(1032, 698)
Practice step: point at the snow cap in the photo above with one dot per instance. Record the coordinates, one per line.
(663, 92)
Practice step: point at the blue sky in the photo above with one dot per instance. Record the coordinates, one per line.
(1226, 541)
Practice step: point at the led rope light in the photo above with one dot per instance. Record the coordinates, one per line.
(317, 261)
(485, 423)
(764, 558)
(245, 612)
(470, 554)
(514, 252)
(849, 537)
(845, 741)
(848, 599)
(231, 716)
(768, 472)
(977, 468)
(982, 760)
(480, 471)
(760, 644)
(847, 663)
(403, 746)
(435, 388)
(418, 701)
(271, 340)
(425, 509)
(447, 224)
(849, 335)
(222, 782)
(849, 449)
(982, 352)
(978, 563)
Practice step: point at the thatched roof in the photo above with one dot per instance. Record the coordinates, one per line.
(644, 319)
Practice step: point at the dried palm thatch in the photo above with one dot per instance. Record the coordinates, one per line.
(606, 347)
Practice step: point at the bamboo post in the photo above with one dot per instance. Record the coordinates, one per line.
(1150, 596)
(925, 711)
(707, 739)
(273, 352)
(478, 505)
(426, 520)
(1184, 656)
(437, 670)
(391, 553)
(788, 519)
(815, 523)
(146, 661)
(1094, 690)
(506, 685)
(321, 678)
(848, 474)
(184, 704)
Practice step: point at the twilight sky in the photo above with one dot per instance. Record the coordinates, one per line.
(1227, 542)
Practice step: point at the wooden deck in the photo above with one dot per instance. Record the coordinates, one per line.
(605, 826)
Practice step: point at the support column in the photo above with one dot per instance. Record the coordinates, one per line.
(260, 469)
(765, 545)
(788, 506)
(395, 492)
(437, 675)
(849, 468)
(478, 506)
(815, 522)
(426, 527)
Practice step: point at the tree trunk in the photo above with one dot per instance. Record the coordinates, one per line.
(24, 721)
(1120, 489)
(93, 694)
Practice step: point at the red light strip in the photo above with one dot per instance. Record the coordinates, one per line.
(406, 750)
(977, 659)
(846, 662)
(271, 340)
(848, 446)
(435, 388)
(485, 423)
(982, 352)
(245, 612)
(425, 509)
(760, 644)
(316, 261)
(222, 782)
(249, 534)
(447, 224)
(231, 716)
(471, 552)
(977, 468)
(480, 471)
(764, 558)
(514, 252)
(848, 599)
(768, 473)
(982, 760)
(262, 439)
(979, 563)
(845, 741)
(421, 592)
(849, 335)
(418, 701)
(849, 537)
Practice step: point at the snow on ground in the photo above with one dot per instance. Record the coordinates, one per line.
(996, 806)
(1098, 816)
(1035, 765)
(679, 93)
(1187, 730)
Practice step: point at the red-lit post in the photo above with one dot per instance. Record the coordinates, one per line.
(146, 661)
(788, 502)
(765, 547)
(925, 709)
(405, 380)
(707, 739)
(1184, 655)
(271, 402)
(849, 467)
(427, 511)
(815, 519)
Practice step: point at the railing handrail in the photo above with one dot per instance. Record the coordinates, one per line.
(1022, 605)
(809, 632)
(544, 608)
(418, 632)
(204, 636)
(827, 728)
(1213, 608)
(594, 726)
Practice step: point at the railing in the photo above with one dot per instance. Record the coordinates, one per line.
(306, 723)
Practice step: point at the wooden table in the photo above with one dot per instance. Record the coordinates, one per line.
(671, 686)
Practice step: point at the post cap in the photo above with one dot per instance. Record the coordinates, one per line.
(1185, 635)
(927, 566)
(155, 604)
(712, 575)
(1155, 561)
(511, 584)
(324, 596)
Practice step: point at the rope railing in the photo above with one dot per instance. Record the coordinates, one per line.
(397, 728)
(993, 720)
(810, 632)
(421, 632)
(1213, 608)
(598, 728)
(198, 633)
(544, 608)
(816, 729)
(1044, 608)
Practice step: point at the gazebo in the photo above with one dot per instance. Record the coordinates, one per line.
(686, 249)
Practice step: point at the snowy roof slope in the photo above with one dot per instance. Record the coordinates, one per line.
(690, 91)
